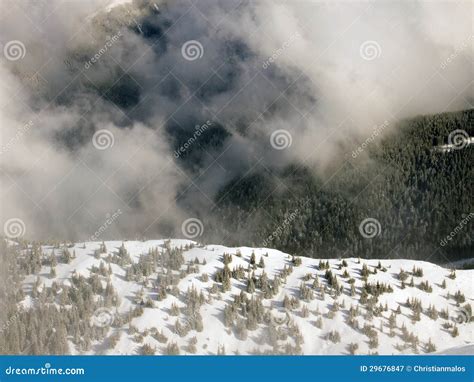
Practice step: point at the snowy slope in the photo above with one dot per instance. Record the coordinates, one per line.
(459, 350)
(158, 313)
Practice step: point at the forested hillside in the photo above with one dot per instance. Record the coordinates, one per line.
(179, 297)
(418, 193)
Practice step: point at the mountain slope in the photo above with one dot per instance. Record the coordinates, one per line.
(416, 191)
(169, 297)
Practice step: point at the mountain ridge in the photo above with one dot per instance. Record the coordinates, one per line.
(180, 297)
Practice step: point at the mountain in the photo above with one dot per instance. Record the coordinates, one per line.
(181, 297)
(406, 181)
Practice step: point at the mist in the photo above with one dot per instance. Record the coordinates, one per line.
(97, 100)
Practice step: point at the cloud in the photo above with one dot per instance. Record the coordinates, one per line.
(324, 73)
